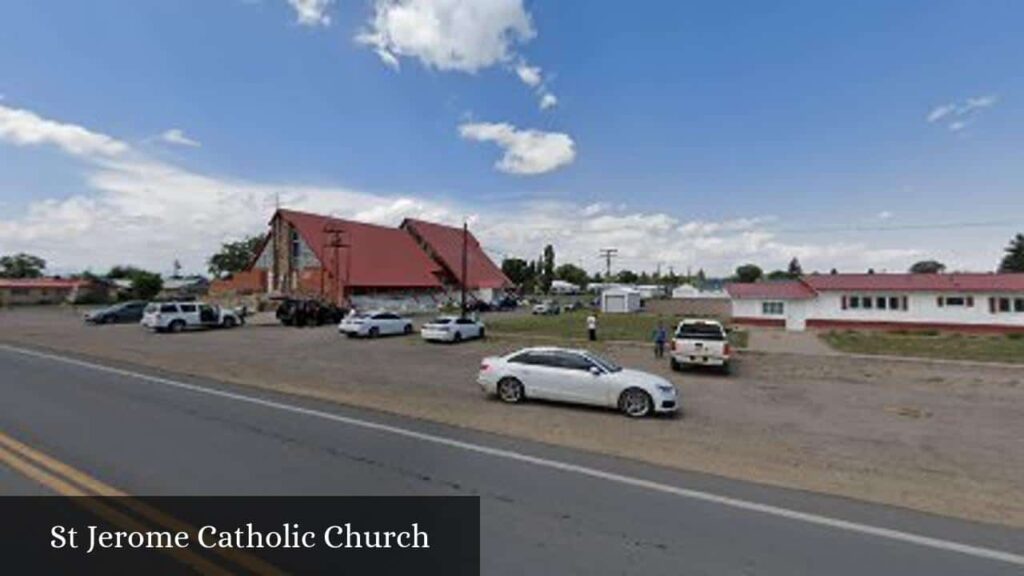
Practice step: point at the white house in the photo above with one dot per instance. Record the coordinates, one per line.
(563, 287)
(976, 302)
(690, 291)
(620, 300)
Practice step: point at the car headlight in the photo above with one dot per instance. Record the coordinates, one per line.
(667, 388)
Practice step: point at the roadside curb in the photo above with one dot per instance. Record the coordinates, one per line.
(889, 357)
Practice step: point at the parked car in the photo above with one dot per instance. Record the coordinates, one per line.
(452, 329)
(373, 324)
(131, 311)
(547, 308)
(576, 376)
(308, 312)
(179, 316)
(700, 343)
(506, 303)
(573, 306)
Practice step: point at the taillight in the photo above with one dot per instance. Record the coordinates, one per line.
(673, 348)
(484, 367)
(727, 350)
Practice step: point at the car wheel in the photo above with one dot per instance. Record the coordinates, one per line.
(176, 326)
(457, 337)
(407, 330)
(635, 403)
(675, 365)
(229, 322)
(726, 368)
(482, 334)
(374, 332)
(510, 390)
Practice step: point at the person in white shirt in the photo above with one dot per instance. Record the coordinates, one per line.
(592, 327)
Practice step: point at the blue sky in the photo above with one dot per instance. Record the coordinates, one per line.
(694, 134)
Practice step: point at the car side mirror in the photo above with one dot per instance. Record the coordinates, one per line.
(595, 370)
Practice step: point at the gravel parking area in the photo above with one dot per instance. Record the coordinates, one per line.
(938, 438)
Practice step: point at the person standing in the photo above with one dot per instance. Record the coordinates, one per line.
(592, 328)
(660, 337)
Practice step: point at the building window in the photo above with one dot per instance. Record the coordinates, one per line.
(296, 244)
(865, 302)
(854, 301)
(958, 301)
(1004, 304)
(1018, 305)
(19, 291)
(773, 308)
(894, 303)
(881, 302)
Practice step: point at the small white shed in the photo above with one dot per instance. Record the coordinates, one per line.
(620, 300)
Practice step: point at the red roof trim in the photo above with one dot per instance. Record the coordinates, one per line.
(42, 282)
(779, 290)
(953, 282)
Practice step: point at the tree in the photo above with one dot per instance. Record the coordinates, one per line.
(121, 272)
(627, 277)
(572, 273)
(517, 270)
(779, 275)
(795, 269)
(928, 267)
(547, 271)
(146, 285)
(21, 265)
(1014, 259)
(749, 273)
(701, 277)
(234, 256)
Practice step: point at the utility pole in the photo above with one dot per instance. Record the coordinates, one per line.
(465, 263)
(337, 242)
(608, 254)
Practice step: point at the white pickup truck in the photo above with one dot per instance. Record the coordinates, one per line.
(700, 343)
(178, 316)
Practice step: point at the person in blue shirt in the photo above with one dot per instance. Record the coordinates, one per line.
(660, 337)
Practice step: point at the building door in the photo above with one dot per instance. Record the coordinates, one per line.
(796, 316)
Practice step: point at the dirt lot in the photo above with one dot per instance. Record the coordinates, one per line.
(943, 438)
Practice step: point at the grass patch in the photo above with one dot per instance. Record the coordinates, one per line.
(573, 326)
(929, 344)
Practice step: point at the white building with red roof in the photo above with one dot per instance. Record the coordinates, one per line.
(957, 301)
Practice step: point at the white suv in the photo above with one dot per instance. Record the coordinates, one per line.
(178, 316)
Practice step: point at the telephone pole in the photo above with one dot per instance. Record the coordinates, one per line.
(608, 254)
(465, 263)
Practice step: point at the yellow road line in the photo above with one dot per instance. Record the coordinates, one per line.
(102, 510)
(95, 487)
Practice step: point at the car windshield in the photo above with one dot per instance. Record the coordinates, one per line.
(700, 331)
(152, 308)
(442, 321)
(604, 363)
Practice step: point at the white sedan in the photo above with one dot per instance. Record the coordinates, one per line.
(452, 329)
(576, 376)
(373, 324)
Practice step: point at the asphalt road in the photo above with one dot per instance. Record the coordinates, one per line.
(545, 510)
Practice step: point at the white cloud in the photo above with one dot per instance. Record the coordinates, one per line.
(530, 75)
(177, 136)
(526, 152)
(25, 128)
(460, 35)
(312, 12)
(959, 115)
(885, 215)
(548, 100)
(138, 210)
